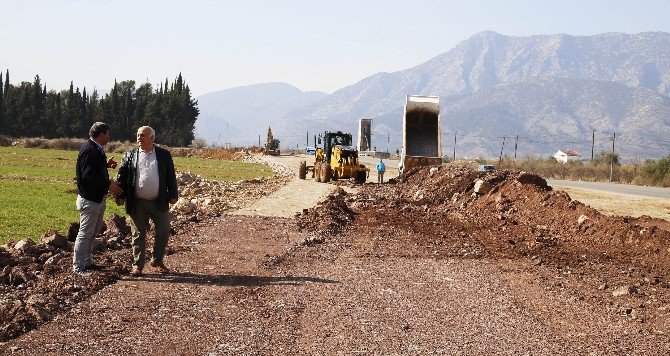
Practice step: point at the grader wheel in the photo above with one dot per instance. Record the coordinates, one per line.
(361, 177)
(317, 172)
(302, 171)
(327, 173)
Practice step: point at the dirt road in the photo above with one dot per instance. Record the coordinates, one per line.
(391, 269)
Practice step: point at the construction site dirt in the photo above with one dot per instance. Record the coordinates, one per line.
(441, 260)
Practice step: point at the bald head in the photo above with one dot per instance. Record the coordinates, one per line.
(145, 138)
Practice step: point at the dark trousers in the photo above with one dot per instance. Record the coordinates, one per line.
(143, 211)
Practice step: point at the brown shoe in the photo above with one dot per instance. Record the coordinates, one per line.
(136, 271)
(160, 267)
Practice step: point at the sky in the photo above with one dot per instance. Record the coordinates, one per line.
(314, 45)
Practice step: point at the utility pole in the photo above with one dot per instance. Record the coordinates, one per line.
(259, 141)
(307, 142)
(388, 139)
(515, 145)
(455, 133)
(593, 143)
(501, 149)
(612, 157)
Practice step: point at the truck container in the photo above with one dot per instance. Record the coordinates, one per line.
(421, 137)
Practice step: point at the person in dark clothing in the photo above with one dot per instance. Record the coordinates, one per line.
(149, 184)
(93, 184)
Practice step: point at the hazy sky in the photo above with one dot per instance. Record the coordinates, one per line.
(311, 44)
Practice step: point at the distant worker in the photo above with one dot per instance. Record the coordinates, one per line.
(381, 168)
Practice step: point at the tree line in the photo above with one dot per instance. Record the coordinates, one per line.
(30, 110)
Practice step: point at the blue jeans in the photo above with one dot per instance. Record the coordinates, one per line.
(91, 215)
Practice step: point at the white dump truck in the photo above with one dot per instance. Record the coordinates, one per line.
(421, 137)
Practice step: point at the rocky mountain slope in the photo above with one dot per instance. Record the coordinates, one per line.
(610, 82)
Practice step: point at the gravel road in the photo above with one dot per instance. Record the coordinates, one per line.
(385, 275)
(625, 189)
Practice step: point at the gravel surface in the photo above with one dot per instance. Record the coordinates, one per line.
(450, 262)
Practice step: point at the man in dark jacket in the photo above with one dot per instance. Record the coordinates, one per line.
(149, 184)
(93, 184)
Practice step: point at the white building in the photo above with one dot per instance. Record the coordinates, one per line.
(566, 155)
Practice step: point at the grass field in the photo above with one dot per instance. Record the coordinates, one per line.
(38, 190)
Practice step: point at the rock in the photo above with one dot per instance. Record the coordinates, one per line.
(53, 260)
(184, 205)
(482, 187)
(117, 226)
(418, 195)
(533, 179)
(4, 275)
(72, 232)
(55, 239)
(433, 170)
(582, 219)
(624, 290)
(23, 245)
(603, 286)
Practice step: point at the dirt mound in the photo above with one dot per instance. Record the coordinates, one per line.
(524, 216)
(229, 154)
(327, 218)
(456, 212)
(37, 282)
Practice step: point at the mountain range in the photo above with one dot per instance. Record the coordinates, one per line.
(552, 91)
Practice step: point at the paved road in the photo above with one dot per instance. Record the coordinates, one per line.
(632, 190)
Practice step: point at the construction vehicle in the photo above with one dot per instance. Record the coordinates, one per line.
(337, 159)
(421, 138)
(272, 144)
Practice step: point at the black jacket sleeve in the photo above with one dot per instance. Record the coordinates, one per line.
(124, 176)
(171, 178)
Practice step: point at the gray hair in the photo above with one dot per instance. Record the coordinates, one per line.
(97, 129)
(153, 132)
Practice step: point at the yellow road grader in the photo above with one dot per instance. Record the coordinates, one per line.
(338, 159)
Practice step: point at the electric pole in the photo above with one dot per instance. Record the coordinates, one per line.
(388, 139)
(593, 143)
(501, 150)
(612, 157)
(307, 142)
(259, 141)
(455, 133)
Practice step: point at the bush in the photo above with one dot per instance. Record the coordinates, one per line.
(5, 141)
(199, 143)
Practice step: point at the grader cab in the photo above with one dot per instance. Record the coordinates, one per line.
(337, 159)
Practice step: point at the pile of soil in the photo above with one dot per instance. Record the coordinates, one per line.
(228, 154)
(453, 211)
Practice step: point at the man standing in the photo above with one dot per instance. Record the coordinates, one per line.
(93, 184)
(149, 184)
(381, 168)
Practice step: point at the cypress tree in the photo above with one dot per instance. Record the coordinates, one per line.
(7, 82)
(2, 107)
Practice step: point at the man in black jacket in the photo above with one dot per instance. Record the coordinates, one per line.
(149, 184)
(93, 184)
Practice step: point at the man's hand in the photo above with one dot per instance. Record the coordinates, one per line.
(173, 200)
(120, 201)
(115, 189)
(111, 163)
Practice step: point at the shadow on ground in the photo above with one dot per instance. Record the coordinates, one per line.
(229, 280)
